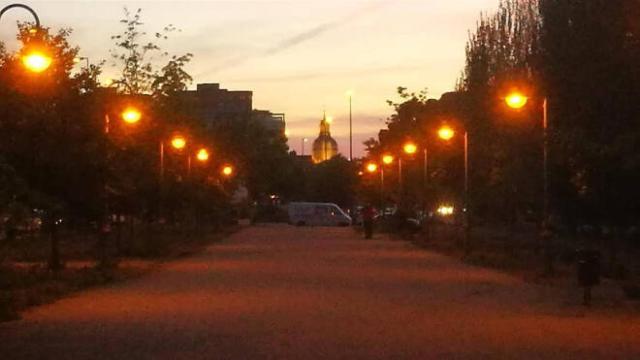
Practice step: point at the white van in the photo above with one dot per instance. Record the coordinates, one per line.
(317, 214)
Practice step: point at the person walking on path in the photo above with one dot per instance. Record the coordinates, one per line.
(368, 214)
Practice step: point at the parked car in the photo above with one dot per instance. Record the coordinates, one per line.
(317, 214)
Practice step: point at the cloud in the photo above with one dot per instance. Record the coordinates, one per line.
(299, 38)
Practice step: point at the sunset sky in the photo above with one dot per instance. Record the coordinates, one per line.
(298, 57)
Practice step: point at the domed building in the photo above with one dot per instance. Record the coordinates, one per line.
(324, 147)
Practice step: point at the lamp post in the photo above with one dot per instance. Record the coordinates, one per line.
(302, 142)
(129, 116)
(178, 143)
(350, 95)
(446, 133)
(409, 148)
(34, 57)
(372, 168)
(202, 156)
(387, 159)
(517, 100)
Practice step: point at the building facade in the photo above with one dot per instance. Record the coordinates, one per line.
(274, 123)
(213, 105)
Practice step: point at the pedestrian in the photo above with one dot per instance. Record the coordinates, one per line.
(368, 214)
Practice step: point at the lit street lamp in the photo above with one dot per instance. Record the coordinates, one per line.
(517, 100)
(34, 57)
(387, 159)
(36, 61)
(202, 155)
(131, 115)
(227, 171)
(303, 141)
(372, 167)
(178, 142)
(409, 148)
(446, 133)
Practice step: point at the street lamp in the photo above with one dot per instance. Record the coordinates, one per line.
(131, 115)
(387, 159)
(517, 100)
(178, 142)
(372, 167)
(350, 95)
(304, 140)
(202, 155)
(227, 171)
(446, 133)
(410, 148)
(34, 58)
(36, 61)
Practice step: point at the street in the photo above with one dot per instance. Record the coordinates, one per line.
(276, 291)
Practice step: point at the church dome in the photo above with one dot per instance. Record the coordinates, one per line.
(324, 146)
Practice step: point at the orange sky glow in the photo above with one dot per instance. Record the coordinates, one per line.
(298, 57)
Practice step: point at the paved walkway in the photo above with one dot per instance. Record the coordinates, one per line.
(280, 292)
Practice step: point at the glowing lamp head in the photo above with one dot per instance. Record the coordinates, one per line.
(329, 119)
(372, 167)
(227, 170)
(202, 155)
(131, 115)
(178, 142)
(410, 148)
(516, 100)
(446, 133)
(387, 159)
(36, 61)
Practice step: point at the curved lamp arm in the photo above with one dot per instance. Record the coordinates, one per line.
(22, 6)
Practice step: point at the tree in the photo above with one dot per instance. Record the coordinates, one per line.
(333, 181)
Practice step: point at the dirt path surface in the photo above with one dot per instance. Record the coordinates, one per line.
(280, 292)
